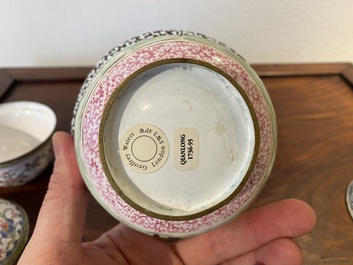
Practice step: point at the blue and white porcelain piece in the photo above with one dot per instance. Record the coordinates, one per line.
(14, 230)
(25, 141)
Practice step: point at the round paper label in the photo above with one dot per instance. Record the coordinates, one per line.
(144, 148)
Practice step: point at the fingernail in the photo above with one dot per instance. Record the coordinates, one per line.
(298, 245)
(56, 146)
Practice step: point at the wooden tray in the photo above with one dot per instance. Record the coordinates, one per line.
(314, 107)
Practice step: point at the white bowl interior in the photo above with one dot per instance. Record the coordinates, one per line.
(24, 125)
(172, 99)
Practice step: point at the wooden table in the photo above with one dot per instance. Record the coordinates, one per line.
(314, 107)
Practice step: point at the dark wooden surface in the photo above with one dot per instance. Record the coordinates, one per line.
(314, 107)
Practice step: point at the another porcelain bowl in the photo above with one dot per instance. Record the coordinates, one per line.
(14, 231)
(175, 134)
(25, 141)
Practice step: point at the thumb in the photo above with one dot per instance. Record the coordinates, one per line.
(61, 219)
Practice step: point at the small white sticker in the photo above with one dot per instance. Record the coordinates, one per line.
(186, 149)
(144, 148)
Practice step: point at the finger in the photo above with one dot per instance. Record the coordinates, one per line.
(128, 246)
(288, 218)
(278, 252)
(62, 215)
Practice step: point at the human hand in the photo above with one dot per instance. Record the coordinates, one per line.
(260, 236)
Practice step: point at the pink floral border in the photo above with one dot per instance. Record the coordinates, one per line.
(93, 113)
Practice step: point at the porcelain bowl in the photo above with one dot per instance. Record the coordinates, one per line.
(14, 231)
(25, 141)
(175, 134)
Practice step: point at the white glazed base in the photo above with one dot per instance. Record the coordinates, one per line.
(173, 99)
